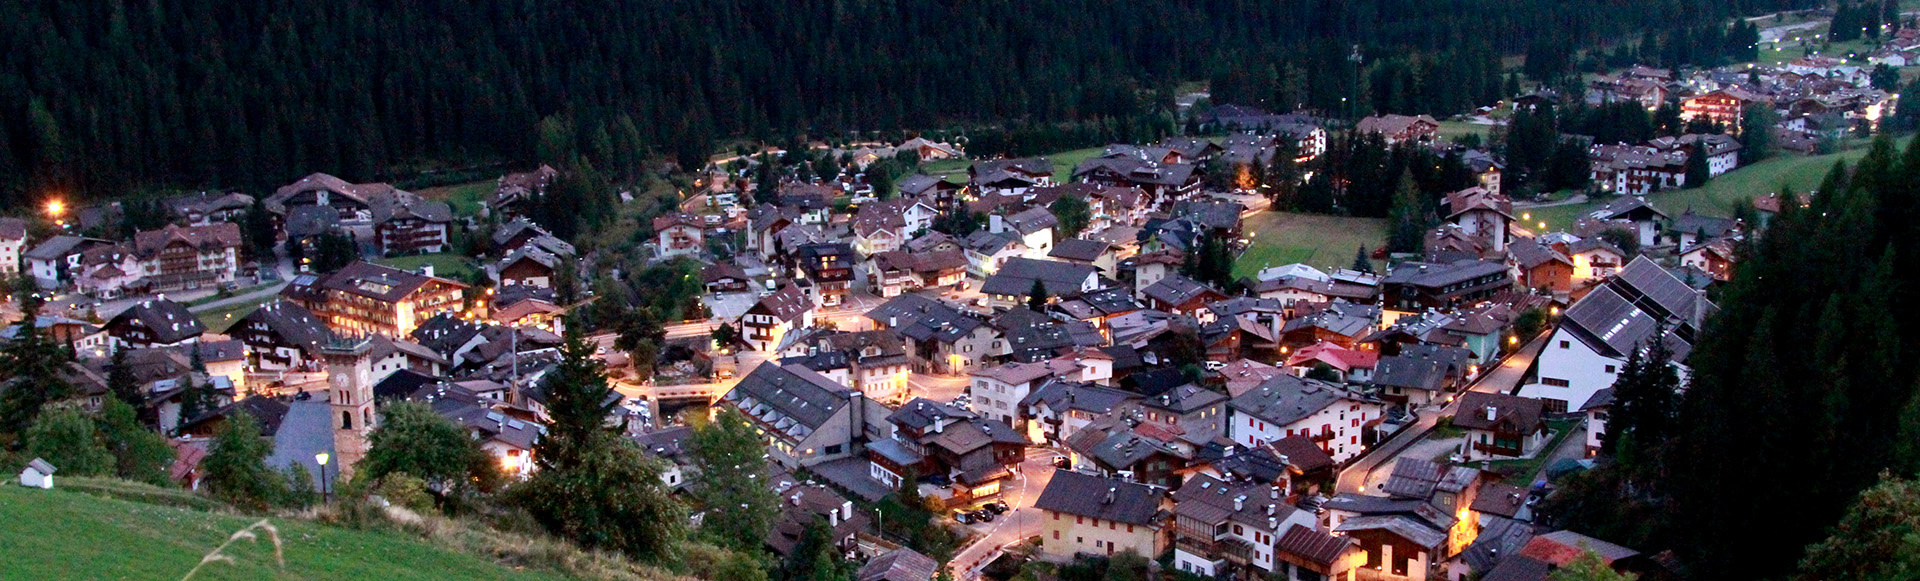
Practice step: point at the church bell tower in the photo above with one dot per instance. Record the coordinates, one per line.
(349, 379)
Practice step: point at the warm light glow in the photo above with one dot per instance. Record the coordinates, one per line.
(321, 458)
(56, 207)
(1511, 340)
(1555, 311)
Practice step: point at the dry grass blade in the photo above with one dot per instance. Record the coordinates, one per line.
(219, 553)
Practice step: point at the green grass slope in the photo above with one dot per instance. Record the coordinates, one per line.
(61, 534)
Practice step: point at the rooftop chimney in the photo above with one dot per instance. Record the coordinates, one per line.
(1110, 491)
(1491, 412)
(1239, 503)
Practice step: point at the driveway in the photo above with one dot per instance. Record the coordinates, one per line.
(729, 306)
(1021, 522)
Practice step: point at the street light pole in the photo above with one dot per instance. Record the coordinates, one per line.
(322, 459)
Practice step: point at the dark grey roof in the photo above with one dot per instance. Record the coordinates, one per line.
(1211, 500)
(169, 321)
(1031, 220)
(1691, 223)
(919, 413)
(1016, 277)
(1176, 289)
(1284, 399)
(1105, 302)
(1214, 214)
(292, 322)
(1186, 398)
(900, 564)
(895, 451)
(1086, 397)
(445, 333)
(1431, 275)
(669, 443)
(1420, 366)
(1626, 208)
(1602, 398)
(1518, 568)
(1103, 498)
(1652, 287)
(1403, 526)
(773, 392)
(402, 384)
(923, 318)
(1079, 249)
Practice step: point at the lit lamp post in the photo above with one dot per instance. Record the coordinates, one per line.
(322, 459)
(56, 209)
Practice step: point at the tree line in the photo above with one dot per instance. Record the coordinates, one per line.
(99, 96)
(1802, 394)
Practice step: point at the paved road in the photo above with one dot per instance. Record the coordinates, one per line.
(939, 388)
(252, 297)
(1503, 379)
(1022, 522)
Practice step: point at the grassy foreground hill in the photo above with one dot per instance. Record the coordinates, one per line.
(63, 534)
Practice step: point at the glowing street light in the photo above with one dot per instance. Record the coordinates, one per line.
(321, 458)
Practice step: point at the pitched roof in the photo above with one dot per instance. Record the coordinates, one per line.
(775, 393)
(202, 238)
(1487, 411)
(1300, 452)
(1431, 275)
(1176, 289)
(1103, 498)
(785, 304)
(1402, 526)
(1312, 545)
(402, 205)
(922, 318)
(1079, 249)
(902, 564)
(169, 321)
(373, 281)
(1285, 399)
(1016, 277)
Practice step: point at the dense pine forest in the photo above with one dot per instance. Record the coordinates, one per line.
(1802, 394)
(99, 96)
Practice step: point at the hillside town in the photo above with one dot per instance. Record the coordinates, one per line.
(1046, 360)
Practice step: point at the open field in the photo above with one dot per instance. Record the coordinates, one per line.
(466, 198)
(1281, 238)
(1451, 130)
(1800, 173)
(69, 535)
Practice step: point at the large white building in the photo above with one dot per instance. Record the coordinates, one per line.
(1595, 337)
(1329, 414)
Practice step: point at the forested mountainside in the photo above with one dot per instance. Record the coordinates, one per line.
(98, 95)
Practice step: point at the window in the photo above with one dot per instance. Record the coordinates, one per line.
(1056, 534)
(1555, 382)
(1079, 520)
(1097, 543)
(1554, 406)
(1609, 369)
(1563, 344)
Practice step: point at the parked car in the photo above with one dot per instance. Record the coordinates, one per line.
(983, 515)
(1061, 462)
(997, 507)
(965, 518)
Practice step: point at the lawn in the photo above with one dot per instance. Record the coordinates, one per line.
(1281, 238)
(445, 265)
(1452, 130)
(1798, 172)
(1063, 163)
(466, 198)
(217, 320)
(60, 534)
(1527, 467)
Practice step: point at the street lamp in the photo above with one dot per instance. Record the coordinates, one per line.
(321, 458)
